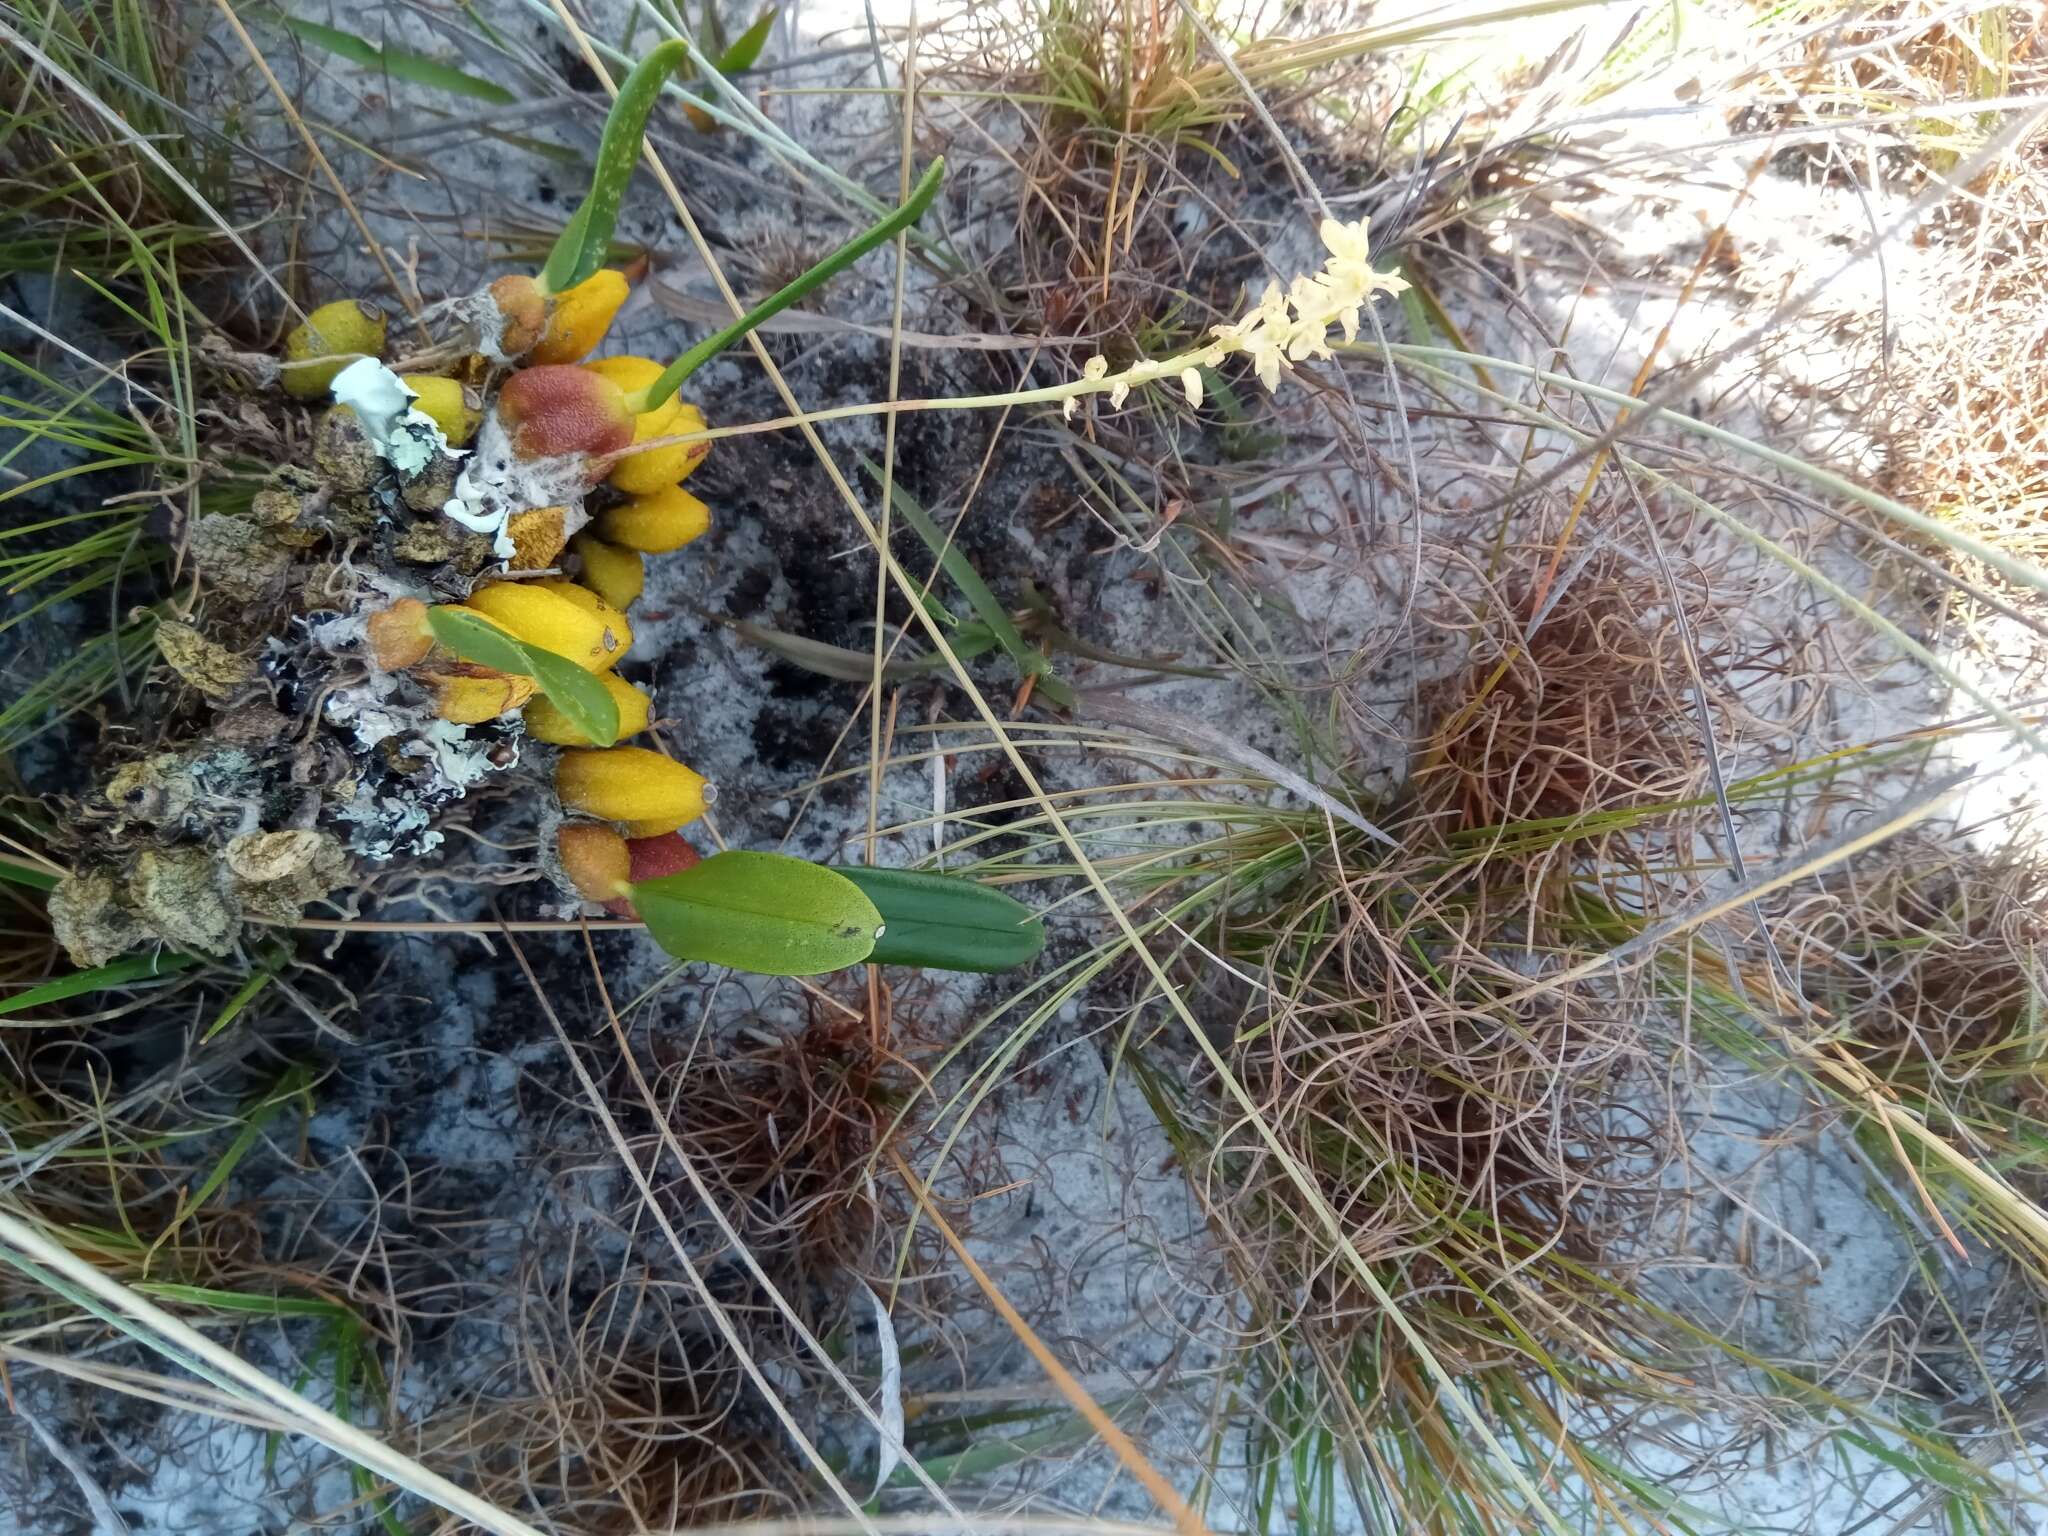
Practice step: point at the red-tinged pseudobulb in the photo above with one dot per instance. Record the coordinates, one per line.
(560, 409)
(649, 859)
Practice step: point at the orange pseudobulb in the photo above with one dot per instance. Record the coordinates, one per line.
(596, 860)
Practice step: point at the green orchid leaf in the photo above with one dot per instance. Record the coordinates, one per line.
(587, 240)
(946, 922)
(576, 692)
(398, 63)
(886, 228)
(476, 641)
(760, 912)
(742, 55)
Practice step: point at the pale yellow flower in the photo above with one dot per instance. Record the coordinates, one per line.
(1285, 326)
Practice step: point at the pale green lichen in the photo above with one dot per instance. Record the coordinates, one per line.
(408, 440)
(184, 896)
(88, 919)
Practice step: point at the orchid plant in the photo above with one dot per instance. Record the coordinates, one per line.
(533, 481)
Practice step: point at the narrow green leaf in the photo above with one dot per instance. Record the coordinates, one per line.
(254, 1115)
(1030, 660)
(268, 964)
(240, 1301)
(743, 54)
(840, 662)
(913, 209)
(946, 922)
(101, 978)
(399, 63)
(576, 692)
(581, 249)
(761, 912)
(24, 874)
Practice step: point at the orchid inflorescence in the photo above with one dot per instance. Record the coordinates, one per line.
(1285, 327)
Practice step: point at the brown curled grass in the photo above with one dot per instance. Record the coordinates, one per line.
(632, 1416)
(1927, 959)
(786, 1126)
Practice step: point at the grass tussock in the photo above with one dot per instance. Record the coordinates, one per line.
(1926, 962)
(1573, 704)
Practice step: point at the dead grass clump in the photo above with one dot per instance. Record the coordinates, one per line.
(634, 1416)
(1573, 703)
(1479, 1152)
(1978, 454)
(787, 1128)
(1972, 443)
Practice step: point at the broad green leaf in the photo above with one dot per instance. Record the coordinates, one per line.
(761, 912)
(101, 978)
(574, 691)
(399, 63)
(945, 922)
(584, 243)
(742, 54)
(473, 639)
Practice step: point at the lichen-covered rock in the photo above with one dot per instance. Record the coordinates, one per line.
(88, 919)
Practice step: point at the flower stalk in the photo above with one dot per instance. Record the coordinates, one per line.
(1282, 329)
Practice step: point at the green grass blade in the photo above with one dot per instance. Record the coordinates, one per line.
(1030, 661)
(101, 978)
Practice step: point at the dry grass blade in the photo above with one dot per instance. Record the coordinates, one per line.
(28, 1250)
(1163, 1493)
